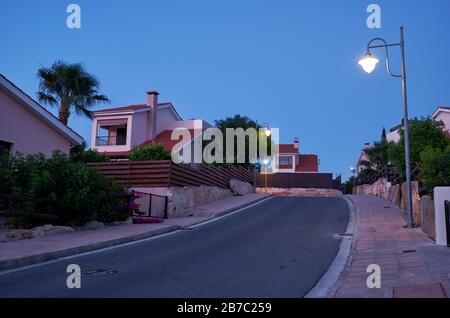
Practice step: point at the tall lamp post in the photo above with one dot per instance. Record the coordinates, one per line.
(353, 171)
(368, 63)
(265, 162)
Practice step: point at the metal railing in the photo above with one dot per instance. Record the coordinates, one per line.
(390, 173)
(14, 206)
(111, 140)
(149, 204)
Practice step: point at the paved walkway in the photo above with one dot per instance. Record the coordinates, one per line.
(411, 264)
(25, 252)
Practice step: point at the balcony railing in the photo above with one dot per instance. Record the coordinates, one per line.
(111, 140)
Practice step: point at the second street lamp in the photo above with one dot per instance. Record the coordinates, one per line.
(368, 63)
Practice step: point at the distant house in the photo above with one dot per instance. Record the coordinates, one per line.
(442, 113)
(115, 131)
(27, 127)
(363, 159)
(291, 161)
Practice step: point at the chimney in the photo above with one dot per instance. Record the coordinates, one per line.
(152, 98)
(152, 102)
(296, 143)
(366, 145)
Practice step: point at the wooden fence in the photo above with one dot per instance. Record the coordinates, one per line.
(165, 173)
(297, 180)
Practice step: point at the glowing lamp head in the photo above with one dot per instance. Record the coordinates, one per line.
(266, 161)
(267, 132)
(368, 63)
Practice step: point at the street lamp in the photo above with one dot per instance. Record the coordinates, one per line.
(368, 63)
(266, 129)
(353, 171)
(265, 162)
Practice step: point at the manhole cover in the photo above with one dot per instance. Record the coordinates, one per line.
(97, 272)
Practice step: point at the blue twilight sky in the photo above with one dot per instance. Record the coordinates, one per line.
(292, 64)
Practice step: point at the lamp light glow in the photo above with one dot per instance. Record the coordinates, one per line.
(267, 132)
(368, 63)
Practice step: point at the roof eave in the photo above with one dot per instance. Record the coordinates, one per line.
(37, 109)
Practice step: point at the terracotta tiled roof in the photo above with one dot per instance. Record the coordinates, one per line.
(287, 148)
(115, 154)
(308, 163)
(165, 139)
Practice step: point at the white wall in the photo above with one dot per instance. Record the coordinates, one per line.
(440, 195)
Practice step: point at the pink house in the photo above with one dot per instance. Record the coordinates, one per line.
(290, 159)
(115, 131)
(27, 127)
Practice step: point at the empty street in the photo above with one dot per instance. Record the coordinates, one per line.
(278, 248)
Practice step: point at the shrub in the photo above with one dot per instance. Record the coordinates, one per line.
(435, 167)
(423, 133)
(79, 153)
(150, 152)
(76, 194)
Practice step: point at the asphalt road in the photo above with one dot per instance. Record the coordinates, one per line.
(278, 248)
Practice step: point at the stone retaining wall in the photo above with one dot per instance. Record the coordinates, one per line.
(305, 192)
(423, 207)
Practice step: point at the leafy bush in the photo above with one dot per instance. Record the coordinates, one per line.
(75, 193)
(79, 153)
(435, 167)
(150, 152)
(423, 133)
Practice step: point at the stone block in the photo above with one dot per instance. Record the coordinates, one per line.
(427, 214)
(239, 187)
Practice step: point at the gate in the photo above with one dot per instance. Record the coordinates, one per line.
(149, 204)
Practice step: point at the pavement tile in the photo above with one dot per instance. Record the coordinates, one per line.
(382, 239)
(430, 290)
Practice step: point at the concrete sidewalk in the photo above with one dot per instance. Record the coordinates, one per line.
(411, 264)
(26, 252)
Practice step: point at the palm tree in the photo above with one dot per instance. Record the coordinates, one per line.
(378, 153)
(69, 87)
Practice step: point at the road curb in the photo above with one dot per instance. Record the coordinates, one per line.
(51, 256)
(329, 281)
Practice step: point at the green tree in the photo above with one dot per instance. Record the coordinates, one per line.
(69, 87)
(244, 122)
(79, 153)
(72, 192)
(150, 152)
(435, 167)
(349, 184)
(423, 133)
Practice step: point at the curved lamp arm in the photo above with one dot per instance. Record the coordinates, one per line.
(386, 46)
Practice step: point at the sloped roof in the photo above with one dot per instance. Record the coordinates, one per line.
(165, 138)
(287, 148)
(40, 111)
(129, 107)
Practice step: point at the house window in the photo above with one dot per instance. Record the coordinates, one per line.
(285, 161)
(5, 147)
